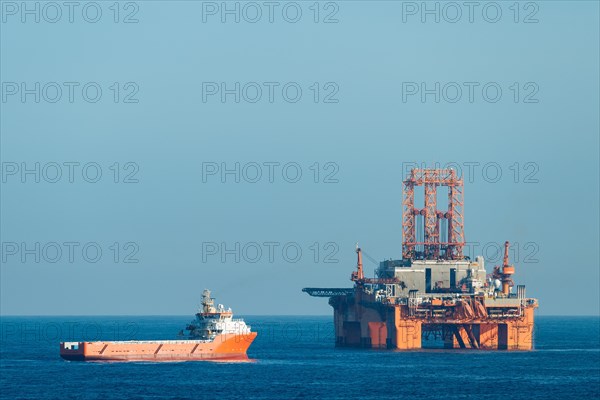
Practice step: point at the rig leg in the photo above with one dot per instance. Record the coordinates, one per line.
(488, 336)
(404, 334)
(473, 340)
(459, 338)
(471, 336)
(378, 334)
(351, 333)
(517, 334)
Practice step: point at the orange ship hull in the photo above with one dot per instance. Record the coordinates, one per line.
(223, 347)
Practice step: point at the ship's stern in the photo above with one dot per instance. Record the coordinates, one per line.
(73, 351)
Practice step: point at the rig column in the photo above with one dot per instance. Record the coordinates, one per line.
(403, 333)
(378, 334)
(517, 334)
(488, 336)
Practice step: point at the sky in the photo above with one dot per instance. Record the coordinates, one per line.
(153, 149)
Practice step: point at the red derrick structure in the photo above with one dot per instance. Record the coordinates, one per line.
(431, 246)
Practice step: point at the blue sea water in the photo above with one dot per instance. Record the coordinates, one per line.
(294, 358)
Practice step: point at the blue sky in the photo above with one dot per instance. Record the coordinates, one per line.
(344, 99)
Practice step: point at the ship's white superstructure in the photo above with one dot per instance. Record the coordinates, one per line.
(211, 321)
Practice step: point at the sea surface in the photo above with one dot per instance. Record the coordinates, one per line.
(295, 358)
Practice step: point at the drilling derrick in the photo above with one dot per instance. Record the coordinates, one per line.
(434, 290)
(431, 247)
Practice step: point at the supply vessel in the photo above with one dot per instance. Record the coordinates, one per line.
(213, 335)
(434, 291)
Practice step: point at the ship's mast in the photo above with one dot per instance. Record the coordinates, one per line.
(207, 302)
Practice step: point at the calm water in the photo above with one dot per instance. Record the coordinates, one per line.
(295, 359)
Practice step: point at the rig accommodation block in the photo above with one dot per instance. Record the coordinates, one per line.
(434, 291)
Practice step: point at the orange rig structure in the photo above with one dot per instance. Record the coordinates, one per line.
(434, 291)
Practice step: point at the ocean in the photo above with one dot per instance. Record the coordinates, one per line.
(294, 357)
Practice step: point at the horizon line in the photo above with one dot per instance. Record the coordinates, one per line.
(247, 315)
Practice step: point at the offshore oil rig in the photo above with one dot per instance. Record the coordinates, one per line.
(434, 291)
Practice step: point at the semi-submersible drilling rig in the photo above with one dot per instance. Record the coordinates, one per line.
(434, 291)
